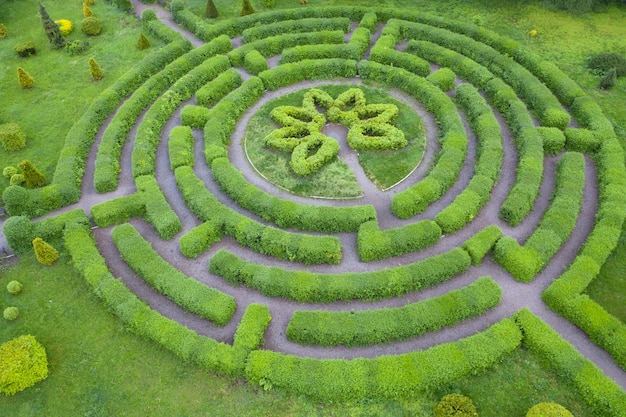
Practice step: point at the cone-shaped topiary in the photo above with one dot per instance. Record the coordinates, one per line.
(91, 26)
(95, 70)
(32, 176)
(23, 363)
(548, 410)
(52, 29)
(87, 12)
(211, 10)
(143, 42)
(24, 78)
(12, 137)
(246, 8)
(455, 405)
(14, 287)
(45, 253)
(4, 32)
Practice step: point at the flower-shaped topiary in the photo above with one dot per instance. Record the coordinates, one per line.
(65, 26)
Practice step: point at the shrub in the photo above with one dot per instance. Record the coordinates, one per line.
(293, 27)
(11, 313)
(246, 8)
(94, 70)
(609, 79)
(46, 254)
(76, 47)
(23, 363)
(180, 146)
(216, 89)
(375, 244)
(269, 3)
(32, 176)
(65, 26)
(17, 179)
(194, 116)
(548, 410)
(443, 78)
(87, 12)
(603, 62)
(24, 78)
(12, 137)
(143, 42)
(553, 140)
(51, 29)
(481, 243)
(91, 26)
(14, 287)
(254, 62)
(4, 32)
(455, 405)
(25, 49)
(8, 172)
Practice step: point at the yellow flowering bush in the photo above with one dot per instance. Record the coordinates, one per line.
(65, 26)
(533, 33)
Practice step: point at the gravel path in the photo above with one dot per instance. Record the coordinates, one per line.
(515, 295)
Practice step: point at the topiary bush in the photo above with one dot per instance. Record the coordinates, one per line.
(12, 137)
(95, 70)
(14, 287)
(32, 176)
(25, 49)
(76, 47)
(23, 363)
(11, 313)
(455, 405)
(91, 26)
(46, 254)
(4, 32)
(143, 42)
(8, 172)
(24, 78)
(17, 179)
(548, 410)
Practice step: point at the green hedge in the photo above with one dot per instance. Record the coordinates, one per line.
(369, 21)
(286, 213)
(148, 202)
(444, 78)
(141, 319)
(313, 24)
(254, 62)
(306, 286)
(315, 69)
(216, 89)
(553, 140)
(369, 327)
(396, 377)
(383, 52)
(374, 244)
(180, 147)
(556, 225)
(308, 249)
(192, 295)
(194, 116)
(599, 392)
(275, 45)
(155, 27)
(481, 243)
(149, 130)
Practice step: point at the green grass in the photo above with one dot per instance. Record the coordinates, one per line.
(63, 87)
(336, 180)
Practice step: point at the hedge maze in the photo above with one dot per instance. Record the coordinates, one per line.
(523, 179)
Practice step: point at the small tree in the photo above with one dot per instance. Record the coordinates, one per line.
(24, 78)
(95, 70)
(52, 29)
(87, 12)
(610, 78)
(4, 32)
(45, 253)
(246, 8)
(32, 176)
(143, 42)
(211, 10)
(23, 363)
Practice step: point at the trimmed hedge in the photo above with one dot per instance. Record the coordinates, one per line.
(180, 147)
(369, 21)
(369, 327)
(582, 140)
(396, 377)
(444, 78)
(257, 33)
(553, 140)
(308, 249)
(557, 223)
(285, 213)
(600, 393)
(481, 243)
(148, 202)
(151, 23)
(383, 52)
(254, 62)
(374, 244)
(215, 90)
(306, 286)
(66, 183)
(23, 363)
(190, 294)
(308, 69)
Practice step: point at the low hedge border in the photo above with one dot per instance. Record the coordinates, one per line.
(308, 249)
(148, 202)
(374, 244)
(395, 377)
(141, 319)
(151, 23)
(285, 213)
(254, 62)
(444, 78)
(306, 286)
(555, 227)
(308, 69)
(369, 327)
(192, 295)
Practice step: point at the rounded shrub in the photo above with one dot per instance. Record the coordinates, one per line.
(455, 405)
(605, 61)
(91, 26)
(548, 410)
(14, 287)
(23, 363)
(17, 179)
(8, 172)
(11, 313)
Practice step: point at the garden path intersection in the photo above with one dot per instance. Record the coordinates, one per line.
(515, 295)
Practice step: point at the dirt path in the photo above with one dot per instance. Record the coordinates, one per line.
(515, 295)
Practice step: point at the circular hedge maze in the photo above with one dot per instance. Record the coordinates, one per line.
(472, 191)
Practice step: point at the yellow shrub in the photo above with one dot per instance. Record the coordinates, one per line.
(46, 254)
(65, 26)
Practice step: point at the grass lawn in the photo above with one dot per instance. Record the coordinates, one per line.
(97, 368)
(336, 180)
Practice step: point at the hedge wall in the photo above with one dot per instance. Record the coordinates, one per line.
(317, 69)
(216, 89)
(312, 24)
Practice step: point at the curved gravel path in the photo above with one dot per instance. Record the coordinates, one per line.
(515, 295)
